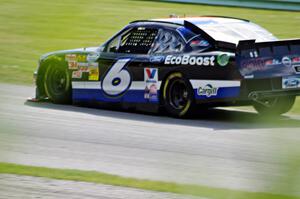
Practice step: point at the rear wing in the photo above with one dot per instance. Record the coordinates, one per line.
(268, 59)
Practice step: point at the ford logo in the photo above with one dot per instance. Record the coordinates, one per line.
(292, 83)
(157, 59)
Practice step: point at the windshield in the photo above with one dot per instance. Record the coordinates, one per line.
(236, 30)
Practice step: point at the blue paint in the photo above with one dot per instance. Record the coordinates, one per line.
(97, 95)
(227, 92)
(138, 96)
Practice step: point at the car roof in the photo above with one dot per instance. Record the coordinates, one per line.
(216, 28)
(195, 20)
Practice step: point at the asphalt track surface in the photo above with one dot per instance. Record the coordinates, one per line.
(26, 187)
(220, 148)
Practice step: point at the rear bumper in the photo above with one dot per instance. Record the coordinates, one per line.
(258, 95)
(265, 88)
(251, 90)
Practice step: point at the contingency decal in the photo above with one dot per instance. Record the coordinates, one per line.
(151, 80)
(291, 82)
(94, 72)
(76, 74)
(209, 89)
(262, 67)
(72, 61)
(199, 43)
(190, 60)
(80, 64)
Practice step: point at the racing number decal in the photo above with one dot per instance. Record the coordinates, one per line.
(117, 80)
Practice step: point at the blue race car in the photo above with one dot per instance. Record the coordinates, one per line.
(178, 65)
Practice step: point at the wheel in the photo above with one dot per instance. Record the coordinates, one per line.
(275, 106)
(178, 96)
(57, 83)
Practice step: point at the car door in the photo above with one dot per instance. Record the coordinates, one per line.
(123, 63)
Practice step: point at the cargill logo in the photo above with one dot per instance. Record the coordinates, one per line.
(208, 91)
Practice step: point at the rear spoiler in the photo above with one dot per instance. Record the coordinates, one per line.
(252, 49)
(291, 45)
(217, 44)
(268, 59)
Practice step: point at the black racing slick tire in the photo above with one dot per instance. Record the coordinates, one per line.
(177, 96)
(275, 106)
(57, 84)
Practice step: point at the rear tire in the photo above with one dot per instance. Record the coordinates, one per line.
(178, 96)
(275, 106)
(57, 84)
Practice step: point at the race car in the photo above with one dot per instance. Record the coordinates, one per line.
(179, 66)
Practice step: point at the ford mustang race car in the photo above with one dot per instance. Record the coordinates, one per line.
(178, 65)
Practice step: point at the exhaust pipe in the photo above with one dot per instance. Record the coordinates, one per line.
(253, 96)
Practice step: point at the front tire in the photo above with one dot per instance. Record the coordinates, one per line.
(275, 106)
(57, 84)
(178, 96)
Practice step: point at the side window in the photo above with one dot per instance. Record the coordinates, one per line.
(134, 41)
(168, 42)
(113, 46)
(194, 42)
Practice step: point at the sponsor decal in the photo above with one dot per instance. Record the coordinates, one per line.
(190, 60)
(151, 75)
(72, 61)
(75, 61)
(94, 73)
(249, 66)
(70, 57)
(200, 43)
(91, 68)
(296, 60)
(84, 69)
(83, 64)
(151, 92)
(81, 58)
(262, 64)
(94, 64)
(76, 74)
(223, 59)
(157, 59)
(208, 91)
(272, 62)
(73, 65)
(291, 82)
(286, 61)
(151, 81)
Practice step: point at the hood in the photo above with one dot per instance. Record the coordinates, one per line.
(88, 50)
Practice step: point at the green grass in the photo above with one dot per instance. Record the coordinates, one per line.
(31, 28)
(102, 178)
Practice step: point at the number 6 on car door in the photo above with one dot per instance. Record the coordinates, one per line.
(117, 80)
